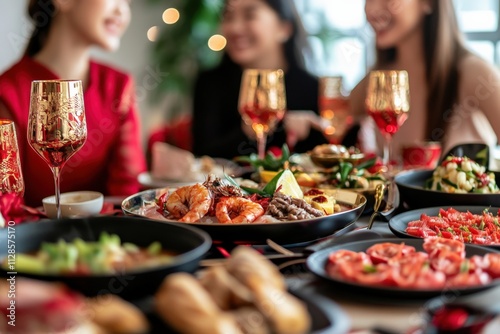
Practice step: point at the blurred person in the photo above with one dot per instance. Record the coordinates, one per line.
(454, 94)
(59, 48)
(262, 34)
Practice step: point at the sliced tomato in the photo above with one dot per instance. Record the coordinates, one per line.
(491, 264)
(435, 245)
(344, 255)
(382, 252)
(449, 263)
(465, 279)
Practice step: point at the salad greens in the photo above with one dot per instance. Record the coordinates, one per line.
(103, 256)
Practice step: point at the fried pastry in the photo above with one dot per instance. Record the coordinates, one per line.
(183, 303)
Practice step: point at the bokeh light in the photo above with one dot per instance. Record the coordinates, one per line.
(171, 15)
(217, 42)
(152, 33)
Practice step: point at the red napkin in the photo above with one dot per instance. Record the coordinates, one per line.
(12, 208)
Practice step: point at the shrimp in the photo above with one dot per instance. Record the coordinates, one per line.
(237, 210)
(189, 203)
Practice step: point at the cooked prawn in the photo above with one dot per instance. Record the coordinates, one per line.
(189, 203)
(237, 210)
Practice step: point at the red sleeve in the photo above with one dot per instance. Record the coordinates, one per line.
(128, 158)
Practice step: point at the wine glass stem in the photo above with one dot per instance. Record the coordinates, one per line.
(57, 182)
(261, 144)
(387, 152)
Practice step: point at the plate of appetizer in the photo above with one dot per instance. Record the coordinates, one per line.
(456, 181)
(470, 224)
(410, 268)
(280, 211)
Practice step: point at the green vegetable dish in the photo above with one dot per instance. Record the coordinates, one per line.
(462, 175)
(106, 256)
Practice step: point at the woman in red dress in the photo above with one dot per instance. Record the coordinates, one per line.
(59, 48)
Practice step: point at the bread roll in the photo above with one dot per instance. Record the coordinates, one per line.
(116, 315)
(253, 269)
(184, 304)
(251, 320)
(227, 292)
(286, 313)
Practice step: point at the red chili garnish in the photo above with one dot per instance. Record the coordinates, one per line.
(457, 160)
(320, 199)
(263, 201)
(314, 191)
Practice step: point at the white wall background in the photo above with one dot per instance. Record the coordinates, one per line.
(133, 55)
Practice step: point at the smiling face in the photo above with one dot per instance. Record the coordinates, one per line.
(394, 21)
(254, 32)
(98, 22)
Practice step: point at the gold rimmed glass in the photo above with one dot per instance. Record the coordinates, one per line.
(10, 163)
(262, 102)
(388, 103)
(56, 124)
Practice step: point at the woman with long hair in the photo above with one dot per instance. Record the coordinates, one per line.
(454, 94)
(64, 33)
(262, 34)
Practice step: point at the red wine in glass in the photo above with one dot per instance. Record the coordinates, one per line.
(388, 121)
(57, 153)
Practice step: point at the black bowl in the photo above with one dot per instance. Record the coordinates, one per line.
(411, 188)
(189, 243)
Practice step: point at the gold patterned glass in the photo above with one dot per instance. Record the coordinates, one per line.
(10, 163)
(56, 124)
(388, 103)
(262, 102)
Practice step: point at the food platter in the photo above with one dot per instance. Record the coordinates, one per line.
(143, 205)
(317, 262)
(398, 223)
(411, 187)
(190, 245)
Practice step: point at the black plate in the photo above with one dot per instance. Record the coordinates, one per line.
(317, 262)
(411, 188)
(327, 317)
(284, 232)
(398, 223)
(190, 243)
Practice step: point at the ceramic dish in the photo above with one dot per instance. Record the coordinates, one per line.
(398, 223)
(288, 232)
(188, 243)
(411, 188)
(317, 262)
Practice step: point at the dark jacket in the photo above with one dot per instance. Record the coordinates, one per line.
(217, 124)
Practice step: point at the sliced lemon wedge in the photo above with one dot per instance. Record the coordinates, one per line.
(289, 185)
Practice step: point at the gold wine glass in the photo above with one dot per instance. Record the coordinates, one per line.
(262, 102)
(56, 124)
(333, 108)
(10, 164)
(388, 103)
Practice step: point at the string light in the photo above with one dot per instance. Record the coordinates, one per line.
(152, 33)
(217, 42)
(171, 15)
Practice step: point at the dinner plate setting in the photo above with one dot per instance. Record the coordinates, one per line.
(144, 205)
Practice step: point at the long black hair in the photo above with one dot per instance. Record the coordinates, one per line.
(296, 47)
(41, 12)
